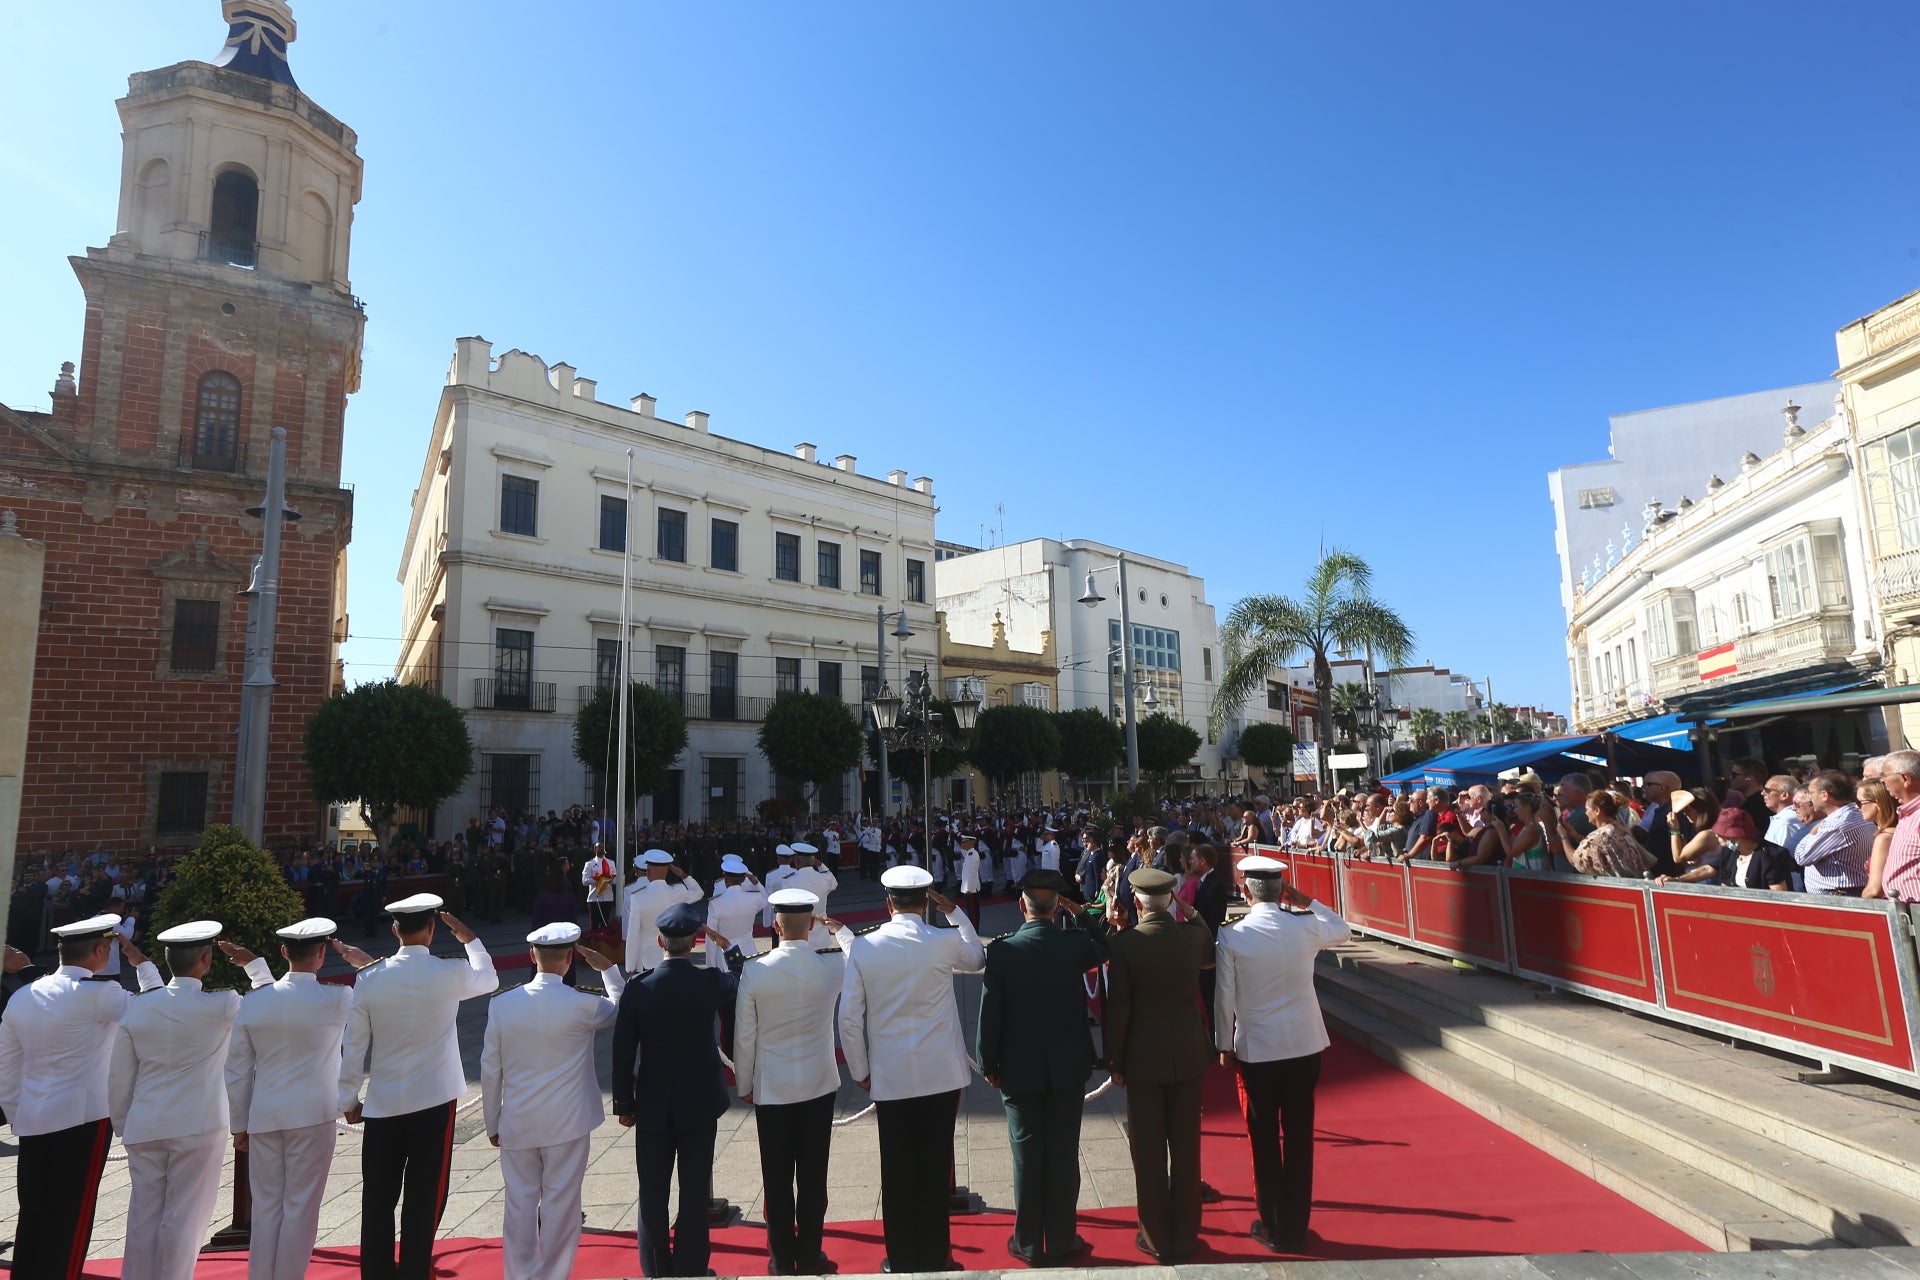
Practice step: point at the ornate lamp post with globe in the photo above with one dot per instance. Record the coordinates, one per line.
(913, 723)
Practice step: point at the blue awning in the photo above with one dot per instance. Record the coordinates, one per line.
(1664, 731)
(1551, 758)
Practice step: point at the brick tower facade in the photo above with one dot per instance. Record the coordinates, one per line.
(219, 309)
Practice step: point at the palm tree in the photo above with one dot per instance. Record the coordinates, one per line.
(1349, 697)
(1336, 612)
(1423, 724)
(1458, 724)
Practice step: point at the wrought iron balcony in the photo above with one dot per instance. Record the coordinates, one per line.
(493, 694)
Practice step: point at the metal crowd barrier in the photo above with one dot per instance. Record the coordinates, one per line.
(1835, 980)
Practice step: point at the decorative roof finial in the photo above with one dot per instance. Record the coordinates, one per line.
(1791, 412)
(258, 33)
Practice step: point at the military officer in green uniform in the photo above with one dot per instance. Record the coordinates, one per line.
(1034, 1046)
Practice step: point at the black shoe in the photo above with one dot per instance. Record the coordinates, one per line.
(1080, 1248)
(1014, 1250)
(886, 1266)
(1140, 1243)
(1264, 1238)
(1208, 1195)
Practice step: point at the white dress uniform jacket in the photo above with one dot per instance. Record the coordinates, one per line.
(1264, 1004)
(899, 1025)
(646, 899)
(970, 870)
(777, 879)
(820, 882)
(404, 1008)
(597, 867)
(56, 1046)
(783, 1026)
(168, 1076)
(536, 1064)
(283, 1066)
(1050, 856)
(731, 911)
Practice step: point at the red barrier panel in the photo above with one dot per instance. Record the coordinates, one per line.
(1458, 912)
(1827, 977)
(1374, 897)
(1313, 874)
(1583, 933)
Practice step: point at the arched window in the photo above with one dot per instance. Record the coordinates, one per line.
(234, 227)
(216, 423)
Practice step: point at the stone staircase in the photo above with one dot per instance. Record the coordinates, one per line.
(1724, 1142)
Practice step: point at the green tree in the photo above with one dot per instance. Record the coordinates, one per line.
(1458, 726)
(228, 878)
(1267, 746)
(1350, 698)
(390, 746)
(1166, 743)
(656, 735)
(1424, 724)
(810, 738)
(1090, 742)
(1336, 613)
(1011, 740)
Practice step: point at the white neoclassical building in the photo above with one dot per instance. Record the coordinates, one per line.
(1034, 587)
(1757, 588)
(756, 571)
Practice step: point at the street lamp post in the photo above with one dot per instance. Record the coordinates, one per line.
(911, 723)
(1091, 598)
(901, 634)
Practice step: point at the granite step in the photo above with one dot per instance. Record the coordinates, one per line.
(1711, 1211)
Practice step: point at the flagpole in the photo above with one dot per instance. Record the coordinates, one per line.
(625, 683)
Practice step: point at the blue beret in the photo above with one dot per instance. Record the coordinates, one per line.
(681, 920)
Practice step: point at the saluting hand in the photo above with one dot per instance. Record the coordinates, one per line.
(351, 954)
(599, 962)
(240, 956)
(135, 956)
(460, 932)
(717, 940)
(941, 902)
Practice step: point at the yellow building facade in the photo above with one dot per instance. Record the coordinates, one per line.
(1000, 676)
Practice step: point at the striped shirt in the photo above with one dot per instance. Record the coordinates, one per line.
(1836, 850)
(1901, 875)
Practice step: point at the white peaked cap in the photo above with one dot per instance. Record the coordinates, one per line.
(906, 878)
(308, 930)
(186, 935)
(792, 900)
(657, 858)
(783, 851)
(804, 850)
(417, 904)
(1258, 865)
(733, 865)
(100, 924)
(561, 933)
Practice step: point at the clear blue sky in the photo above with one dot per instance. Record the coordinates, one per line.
(1209, 281)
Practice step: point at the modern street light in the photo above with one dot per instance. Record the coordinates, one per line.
(912, 723)
(1091, 598)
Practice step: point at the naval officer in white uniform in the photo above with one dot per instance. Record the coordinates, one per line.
(784, 1066)
(542, 1100)
(401, 1044)
(781, 877)
(817, 880)
(56, 1045)
(900, 1031)
(732, 908)
(283, 1082)
(665, 885)
(166, 1090)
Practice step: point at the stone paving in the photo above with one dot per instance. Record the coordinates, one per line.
(474, 1199)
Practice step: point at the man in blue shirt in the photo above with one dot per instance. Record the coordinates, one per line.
(1420, 830)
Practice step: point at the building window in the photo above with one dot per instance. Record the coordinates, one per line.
(1154, 648)
(182, 808)
(1276, 696)
(827, 555)
(786, 557)
(613, 523)
(672, 542)
(1891, 468)
(786, 676)
(830, 679)
(519, 505)
(1592, 498)
(723, 787)
(510, 782)
(1206, 663)
(1033, 694)
(233, 229)
(724, 546)
(216, 423)
(1790, 581)
(196, 636)
(869, 683)
(606, 663)
(869, 573)
(916, 581)
(670, 672)
(723, 679)
(512, 669)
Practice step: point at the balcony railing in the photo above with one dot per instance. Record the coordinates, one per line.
(1796, 643)
(1899, 575)
(491, 694)
(234, 253)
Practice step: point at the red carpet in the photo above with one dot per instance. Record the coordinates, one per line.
(1401, 1172)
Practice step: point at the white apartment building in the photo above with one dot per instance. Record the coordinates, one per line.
(1757, 589)
(1034, 587)
(755, 572)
